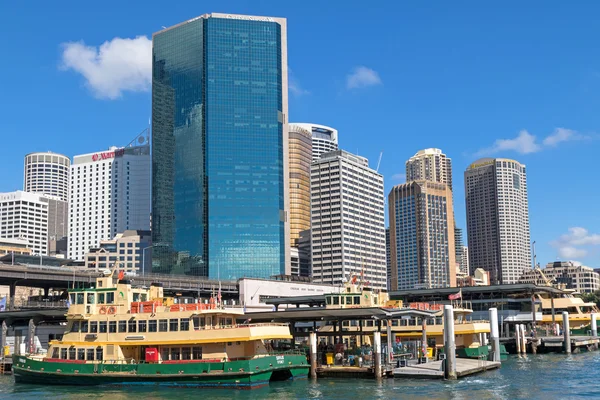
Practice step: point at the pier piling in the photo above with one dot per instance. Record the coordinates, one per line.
(377, 354)
(523, 339)
(566, 332)
(518, 338)
(594, 325)
(449, 343)
(494, 335)
(313, 354)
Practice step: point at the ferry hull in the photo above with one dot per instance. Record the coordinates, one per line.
(247, 374)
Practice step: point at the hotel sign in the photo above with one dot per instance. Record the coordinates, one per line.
(249, 18)
(481, 164)
(108, 155)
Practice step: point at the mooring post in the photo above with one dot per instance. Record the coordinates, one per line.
(424, 339)
(566, 332)
(377, 353)
(518, 338)
(594, 325)
(31, 337)
(390, 342)
(494, 335)
(523, 339)
(3, 338)
(313, 354)
(449, 343)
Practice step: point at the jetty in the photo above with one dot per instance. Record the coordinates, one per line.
(435, 369)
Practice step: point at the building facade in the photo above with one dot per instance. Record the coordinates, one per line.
(421, 236)
(109, 193)
(571, 275)
(24, 216)
(220, 147)
(130, 251)
(464, 263)
(14, 246)
(429, 165)
(348, 231)
(498, 218)
(300, 157)
(324, 138)
(388, 258)
(47, 173)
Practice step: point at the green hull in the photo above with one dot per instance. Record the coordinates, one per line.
(481, 352)
(243, 374)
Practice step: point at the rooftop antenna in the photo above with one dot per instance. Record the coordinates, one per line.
(379, 162)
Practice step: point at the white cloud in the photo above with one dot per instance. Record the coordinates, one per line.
(562, 135)
(362, 77)
(526, 143)
(399, 177)
(576, 243)
(294, 85)
(116, 66)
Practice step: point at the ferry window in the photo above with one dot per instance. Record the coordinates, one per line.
(75, 326)
(122, 326)
(81, 354)
(403, 322)
(345, 323)
(164, 353)
(348, 300)
(110, 298)
(136, 297)
(112, 327)
(102, 326)
(144, 297)
(152, 325)
(228, 321)
(100, 298)
(328, 299)
(79, 298)
(90, 354)
(394, 322)
(142, 326)
(162, 325)
(184, 324)
(71, 353)
(173, 325)
(175, 353)
(63, 353)
(72, 297)
(356, 300)
(197, 353)
(99, 353)
(84, 327)
(91, 298)
(55, 352)
(198, 323)
(336, 300)
(370, 323)
(132, 326)
(186, 353)
(93, 326)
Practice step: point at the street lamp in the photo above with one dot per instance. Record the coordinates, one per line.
(144, 260)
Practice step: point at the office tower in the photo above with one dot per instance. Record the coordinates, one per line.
(220, 147)
(458, 248)
(130, 248)
(388, 258)
(47, 173)
(300, 157)
(304, 253)
(324, 138)
(429, 165)
(348, 231)
(24, 216)
(110, 193)
(422, 236)
(498, 218)
(464, 263)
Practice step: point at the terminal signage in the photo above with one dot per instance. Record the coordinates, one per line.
(108, 155)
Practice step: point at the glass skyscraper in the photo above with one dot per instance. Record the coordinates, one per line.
(219, 119)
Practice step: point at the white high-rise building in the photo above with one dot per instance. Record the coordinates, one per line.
(110, 192)
(498, 218)
(429, 165)
(47, 173)
(25, 216)
(348, 231)
(324, 138)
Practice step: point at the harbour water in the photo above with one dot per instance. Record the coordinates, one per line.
(548, 376)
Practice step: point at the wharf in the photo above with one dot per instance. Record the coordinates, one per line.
(553, 344)
(434, 370)
(350, 372)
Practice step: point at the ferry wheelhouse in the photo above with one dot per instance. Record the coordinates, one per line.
(119, 334)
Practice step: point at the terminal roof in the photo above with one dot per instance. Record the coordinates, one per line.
(329, 314)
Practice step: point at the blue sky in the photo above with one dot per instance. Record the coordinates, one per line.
(519, 80)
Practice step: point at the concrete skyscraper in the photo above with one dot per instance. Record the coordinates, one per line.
(110, 193)
(429, 165)
(324, 138)
(498, 218)
(300, 158)
(421, 236)
(348, 230)
(47, 173)
(220, 147)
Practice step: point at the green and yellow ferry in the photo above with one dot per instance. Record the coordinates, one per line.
(117, 334)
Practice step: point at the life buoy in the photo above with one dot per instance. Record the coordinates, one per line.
(102, 310)
(112, 310)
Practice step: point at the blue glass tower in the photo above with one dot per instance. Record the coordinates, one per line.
(219, 179)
